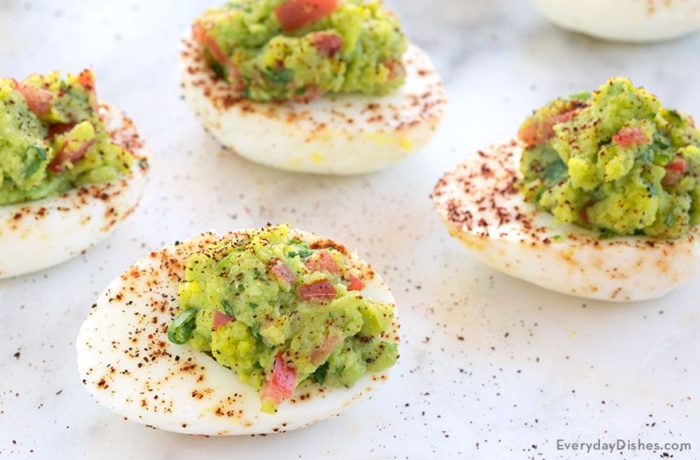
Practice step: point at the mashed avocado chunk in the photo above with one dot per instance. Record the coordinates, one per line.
(52, 139)
(300, 49)
(281, 313)
(614, 161)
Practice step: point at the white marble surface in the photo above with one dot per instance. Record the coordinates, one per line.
(490, 367)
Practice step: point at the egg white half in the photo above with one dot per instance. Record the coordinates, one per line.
(127, 363)
(624, 20)
(340, 135)
(40, 234)
(481, 207)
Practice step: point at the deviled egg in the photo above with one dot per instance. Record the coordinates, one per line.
(318, 86)
(624, 20)
(254, 332)
(599, 197)
(71, 168)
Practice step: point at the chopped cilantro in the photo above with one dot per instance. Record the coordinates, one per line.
(39, 156)
(228, 308)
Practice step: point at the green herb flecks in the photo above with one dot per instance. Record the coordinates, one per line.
(303, 251)
(180, 330)
(228, 308)
(556, 171)
(280, 77)
(582, 96)
(38, 155)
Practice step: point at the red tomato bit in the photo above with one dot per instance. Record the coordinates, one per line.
(534, 133)
(328, 45)
(38, 100)
(583, 215)
(674, 172)
(318, 290)
(563, 117)
(280, 385)
(86, 79)
(356, 284)
(281, 271)
(58, 164)
(629, 137)
(221, 320)
(201, 35)
(322, 261)
(297, 14)
(59, 128)
(321, 354)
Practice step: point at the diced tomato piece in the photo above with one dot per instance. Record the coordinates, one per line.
(355, 284)
(318, 290)
(321, 354)
(677, 165)
(59, 128)
(583, 215)
(297, 14)
(221, 320)
(328, 45)
(629, 137)
(200, 33)
(327, 262)
(38, 99)
(322, 261)
(311, 265)
(528, 133)
(563, 117)
(534, 133)
(674, 172)
(86, 79)
(58, 164)
(546, 130)
(280, 385)
(281, 271)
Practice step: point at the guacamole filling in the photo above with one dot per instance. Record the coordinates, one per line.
(614, 161)
(52, 138)
(282, 313)
(276, 50)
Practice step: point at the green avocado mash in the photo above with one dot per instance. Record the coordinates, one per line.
(300, 49)
(614, 161)
(52, 139)
(281, 313)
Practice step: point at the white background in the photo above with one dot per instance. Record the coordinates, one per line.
(490, 367)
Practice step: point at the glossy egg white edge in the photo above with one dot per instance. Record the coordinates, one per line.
(624, 20)
(127, 363)
(334, 135)
(481, 207)
(40, 234)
